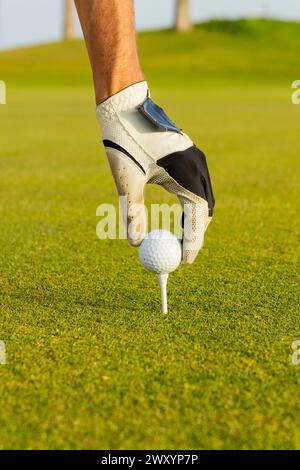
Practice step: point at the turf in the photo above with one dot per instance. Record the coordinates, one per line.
(91, 362)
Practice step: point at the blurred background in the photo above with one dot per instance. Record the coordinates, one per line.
(35, 21)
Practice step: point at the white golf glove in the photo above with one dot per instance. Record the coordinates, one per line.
(144, 146)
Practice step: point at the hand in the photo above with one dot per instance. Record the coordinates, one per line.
(144, 146)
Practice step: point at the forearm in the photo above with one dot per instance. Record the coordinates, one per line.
(108, 27)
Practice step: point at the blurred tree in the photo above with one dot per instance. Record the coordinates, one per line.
(183, 17)
(69, 31)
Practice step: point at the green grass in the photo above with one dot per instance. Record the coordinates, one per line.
(91, 362)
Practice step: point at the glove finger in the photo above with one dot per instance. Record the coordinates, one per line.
(195, 223)
(186, 174)
(195, 215)
(130, 180)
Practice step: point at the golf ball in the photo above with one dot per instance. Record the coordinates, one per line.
(160, 252)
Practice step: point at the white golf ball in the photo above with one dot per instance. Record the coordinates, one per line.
(160, 252)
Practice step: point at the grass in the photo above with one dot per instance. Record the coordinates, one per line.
(91, 363)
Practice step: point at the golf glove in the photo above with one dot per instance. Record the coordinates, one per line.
(144, 146)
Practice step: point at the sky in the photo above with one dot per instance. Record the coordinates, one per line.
(25, 22)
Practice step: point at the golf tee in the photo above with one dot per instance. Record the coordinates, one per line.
(163, 280)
